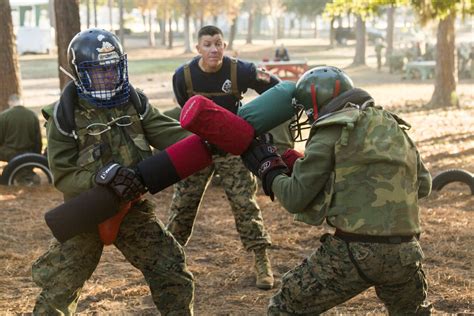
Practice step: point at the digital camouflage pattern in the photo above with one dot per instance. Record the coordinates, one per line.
(363, 174)
(63, 269)
(328, 278)
(240, 187)
(142, 239)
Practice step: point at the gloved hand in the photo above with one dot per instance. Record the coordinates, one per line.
(289, 157)
(125, 182)
(262, 159)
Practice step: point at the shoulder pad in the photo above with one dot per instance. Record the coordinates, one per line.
(139, 101)
(63, 112)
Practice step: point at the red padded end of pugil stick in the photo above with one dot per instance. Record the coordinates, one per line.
(217, 125)
(189, 155)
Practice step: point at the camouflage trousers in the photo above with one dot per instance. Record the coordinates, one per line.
(240, 187)
(328, 277)
(142, 239)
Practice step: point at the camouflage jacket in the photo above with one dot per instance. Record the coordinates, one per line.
(361, 172)
(74, 158)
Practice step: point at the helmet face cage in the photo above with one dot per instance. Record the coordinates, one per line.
(104, 83)
(101, 68)
(299, 123)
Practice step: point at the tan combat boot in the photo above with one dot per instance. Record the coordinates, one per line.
(263, 269)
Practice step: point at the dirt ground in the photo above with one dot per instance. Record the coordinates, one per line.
(222, 269)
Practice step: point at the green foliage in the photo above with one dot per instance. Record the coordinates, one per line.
(364, 8)
(439, 9)
(305, 7)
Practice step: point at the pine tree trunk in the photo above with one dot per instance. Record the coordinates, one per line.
(111, 20)
(162, 23)
(359, 58)
(444, 94)
(95, 13)
(170, 32)
(88, 15)
(315, 26)
(332, 33)
(151, 33)
(121, 23)
(250, 28)
(233, 31)
(67, 26)
(390, 29)
(9, 72)
(187, 28)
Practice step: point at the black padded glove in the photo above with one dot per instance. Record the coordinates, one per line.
(262, 159)
(125, 182)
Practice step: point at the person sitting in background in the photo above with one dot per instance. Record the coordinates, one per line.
(19, 130)
(281, 53)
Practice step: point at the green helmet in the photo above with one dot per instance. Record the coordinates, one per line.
(318, 86)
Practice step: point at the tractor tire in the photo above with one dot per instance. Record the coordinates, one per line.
(453, 175)
(24, 162)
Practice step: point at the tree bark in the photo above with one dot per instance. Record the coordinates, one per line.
(111, 21)
(95, 13)
(121, 32)
(315, 26)
(249, 28)
(67, 26)
(359, 58)
(9, 73)
(444, 94)
(332, 33)
(233, 31)
(390, 29)
(300, 26)
(151, 33)
(88, 14)
(187, 28)
(170, 32)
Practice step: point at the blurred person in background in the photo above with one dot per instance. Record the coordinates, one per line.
(20, 133)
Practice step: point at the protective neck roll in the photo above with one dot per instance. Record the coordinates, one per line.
(356, 96)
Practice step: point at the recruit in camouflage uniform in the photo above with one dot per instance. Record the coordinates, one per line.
(362, 174)
(106, 128)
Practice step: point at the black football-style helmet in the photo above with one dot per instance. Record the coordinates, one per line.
(99, 67)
